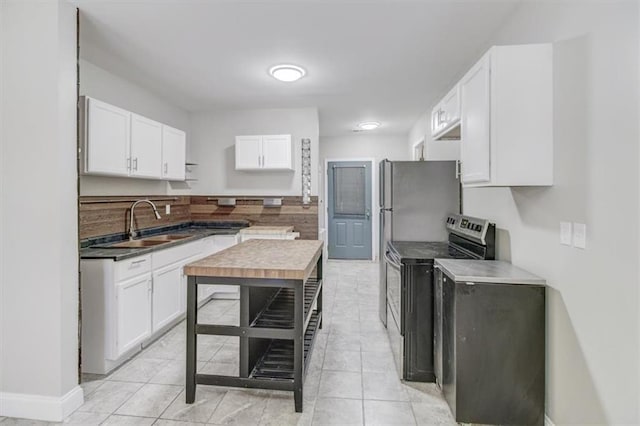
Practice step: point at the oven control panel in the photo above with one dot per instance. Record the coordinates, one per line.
(468, 226)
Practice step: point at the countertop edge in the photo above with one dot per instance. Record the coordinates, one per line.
(531, 279)
(127, 253)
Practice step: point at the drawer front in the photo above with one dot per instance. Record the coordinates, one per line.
(168, 256)
(129, 268)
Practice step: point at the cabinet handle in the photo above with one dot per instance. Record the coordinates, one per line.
(166, 168)
(458, 171)
(263, 161)
(128, 163)
(137, 263)
(135, 164)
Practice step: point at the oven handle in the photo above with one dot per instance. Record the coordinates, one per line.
(391, 261)
(403, 291)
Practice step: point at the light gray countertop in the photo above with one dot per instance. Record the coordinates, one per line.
(487, 271)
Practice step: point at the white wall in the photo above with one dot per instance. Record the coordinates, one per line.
(38, 247)
(362, 145)
(105, 86)
(213, 148)
(592, 300)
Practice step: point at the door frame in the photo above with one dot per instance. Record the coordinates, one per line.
(374, 201)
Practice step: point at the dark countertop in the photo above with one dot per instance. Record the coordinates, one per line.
(94, 248)
(412, 252)
(488, 271)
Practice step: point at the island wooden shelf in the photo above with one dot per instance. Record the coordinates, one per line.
(280, 313)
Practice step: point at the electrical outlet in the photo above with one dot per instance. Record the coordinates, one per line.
(579, 235)
(167, 209)
(566, 233)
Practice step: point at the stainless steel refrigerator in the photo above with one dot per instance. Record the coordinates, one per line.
(415, 199)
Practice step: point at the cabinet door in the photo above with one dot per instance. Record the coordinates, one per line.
(133, 316)
(435, 117)
(174, 145)
(475, 148)
(451, 106)
(167, 298)
(248, 152)
(146, 147)
(276, 152)
(106, 139)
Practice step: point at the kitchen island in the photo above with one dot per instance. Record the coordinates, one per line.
(280, 313)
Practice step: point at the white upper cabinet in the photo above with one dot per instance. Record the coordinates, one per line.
(107, 127)
(174, 144)
(475, 126)
(117, 142)
(277, 152)
(445, 116)
(264, 152)
(146, 147)
(507, 118)
(248, 152)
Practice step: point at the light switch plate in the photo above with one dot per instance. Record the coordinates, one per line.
(566, 233)
(579, 235)
(167, 209)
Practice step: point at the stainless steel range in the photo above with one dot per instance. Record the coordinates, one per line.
(408, 277)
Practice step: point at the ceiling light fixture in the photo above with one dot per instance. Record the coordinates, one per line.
(369, 125)
(287, 73)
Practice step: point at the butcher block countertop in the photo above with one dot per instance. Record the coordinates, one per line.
(267, 230)
(277, 259)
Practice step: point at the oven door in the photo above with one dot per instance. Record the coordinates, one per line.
(395, 322)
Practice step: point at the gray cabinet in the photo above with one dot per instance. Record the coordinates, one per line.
(489, 348)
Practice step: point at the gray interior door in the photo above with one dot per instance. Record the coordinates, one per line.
(349, 209)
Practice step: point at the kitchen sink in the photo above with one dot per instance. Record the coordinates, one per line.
(138, 243)
(168, 237)
(148, 242)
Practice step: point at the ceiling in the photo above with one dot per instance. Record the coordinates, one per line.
(387, 61)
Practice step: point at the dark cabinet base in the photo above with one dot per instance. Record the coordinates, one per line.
(492, 344)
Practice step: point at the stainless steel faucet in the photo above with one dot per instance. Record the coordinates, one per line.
(132, 233)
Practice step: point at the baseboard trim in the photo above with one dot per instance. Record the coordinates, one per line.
(40, 407)
(547, 421)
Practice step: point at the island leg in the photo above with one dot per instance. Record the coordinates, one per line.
(192, 318)
(319, 278)
(298, 346)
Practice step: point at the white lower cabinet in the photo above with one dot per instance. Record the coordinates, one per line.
(219, 291)
(167, 286)
(133, 313)
(128, 303)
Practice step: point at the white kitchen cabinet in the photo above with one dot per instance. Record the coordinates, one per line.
(264, 152)
(248, 152)
(128, 303)
(146, 147)
(445, 116)
(117, 142)
(220, 291)
(174, 144)
(507, 118)
(108, 129)
(133, 313)
(477, 136)
(277, 152)
(167, 286)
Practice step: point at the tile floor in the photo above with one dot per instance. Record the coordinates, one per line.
(351, 380)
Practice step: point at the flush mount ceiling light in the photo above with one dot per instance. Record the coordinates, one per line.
(369, 125)
(287, 72)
